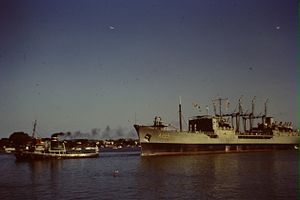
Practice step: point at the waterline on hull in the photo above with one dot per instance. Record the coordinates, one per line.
(151, 149)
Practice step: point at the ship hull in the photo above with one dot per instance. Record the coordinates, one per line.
(152, 149)
(24, 155)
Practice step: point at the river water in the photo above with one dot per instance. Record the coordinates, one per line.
(254, 175)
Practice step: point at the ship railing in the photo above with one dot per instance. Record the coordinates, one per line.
(59, 151)
(260, 133)
(211, 134)
(204, 132)
(226, 128)
(287, 133)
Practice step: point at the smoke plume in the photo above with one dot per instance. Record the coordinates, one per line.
(97, 133)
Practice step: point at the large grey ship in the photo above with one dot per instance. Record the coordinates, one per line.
(234, 132)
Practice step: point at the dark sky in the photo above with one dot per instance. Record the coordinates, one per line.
(77, 65)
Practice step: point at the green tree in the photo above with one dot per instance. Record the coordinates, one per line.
(20, 139)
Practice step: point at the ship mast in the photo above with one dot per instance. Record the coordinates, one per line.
(266, 107)
(220, 105)
(34, 128)
(263, 117)
(251, 116)
(215, 109)
(238, 115)
(180, 115)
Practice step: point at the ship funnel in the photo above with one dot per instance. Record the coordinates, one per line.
(57, 134)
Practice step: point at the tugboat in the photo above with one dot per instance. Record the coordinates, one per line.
(53, 149)
(217, 133)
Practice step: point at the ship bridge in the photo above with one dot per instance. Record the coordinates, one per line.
(207, 123)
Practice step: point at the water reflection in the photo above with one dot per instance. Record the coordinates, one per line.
(263, 175)
(45, 177)
(173, 174)
(28, 180)
(212, 176)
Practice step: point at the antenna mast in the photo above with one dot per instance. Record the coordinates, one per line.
(266, 107)
(207, 110)
(34, 128)
(238, 115)
(180, 115)
(251, 116)
(265, 115)
(220, 105)
(215, 109)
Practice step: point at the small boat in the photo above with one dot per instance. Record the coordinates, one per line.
(54, 149)
(9, 149)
